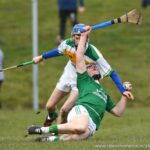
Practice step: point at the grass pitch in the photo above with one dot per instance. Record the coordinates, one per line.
(129, 131)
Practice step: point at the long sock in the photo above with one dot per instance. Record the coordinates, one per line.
(54, 138)
(53, 129)
(52, 116)
(45, 129)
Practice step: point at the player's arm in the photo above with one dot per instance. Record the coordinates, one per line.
(80, 63)
(115, 77)
(106, 70)
(120, 107)
(53, 53)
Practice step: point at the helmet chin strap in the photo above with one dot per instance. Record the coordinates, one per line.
(96, 76)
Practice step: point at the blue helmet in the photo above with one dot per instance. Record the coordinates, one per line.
(77, 29)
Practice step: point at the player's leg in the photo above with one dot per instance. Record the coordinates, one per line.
(64, 137)
(79, 122)
(70, 137)
(79, 126)
(73, 17)
(62, 88)
(67, 106)
(67, 83)
(55, 97)
(62, 26)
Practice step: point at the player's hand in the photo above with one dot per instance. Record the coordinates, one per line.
(128, 87)
(128, 95)
(87, 30)
(81, 9)
(37, 59)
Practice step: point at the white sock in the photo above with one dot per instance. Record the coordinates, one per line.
(45, 129)
(52, 138)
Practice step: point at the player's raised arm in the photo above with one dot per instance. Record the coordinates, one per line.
(80, 63)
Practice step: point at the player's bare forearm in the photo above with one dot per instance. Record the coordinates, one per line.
(49, 54)
(120, 107)
(80, 63)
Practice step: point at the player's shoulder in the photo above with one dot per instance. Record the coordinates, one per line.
(93, 52)
(69, 42)
(91, 47)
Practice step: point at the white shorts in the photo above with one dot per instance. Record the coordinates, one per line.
(68, 80)
(78, 110)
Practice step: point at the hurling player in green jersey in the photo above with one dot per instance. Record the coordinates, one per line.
(93, 100)
(67, 83)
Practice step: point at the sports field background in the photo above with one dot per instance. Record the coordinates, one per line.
(125, 47)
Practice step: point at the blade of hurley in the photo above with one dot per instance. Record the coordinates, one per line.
(17, 66)
(133, 16)
(8, 68)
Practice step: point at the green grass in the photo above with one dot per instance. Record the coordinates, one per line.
(129, 130)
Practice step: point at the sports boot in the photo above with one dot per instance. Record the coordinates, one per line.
(49, 120)
(34, 130)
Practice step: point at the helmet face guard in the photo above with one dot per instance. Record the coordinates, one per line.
(76, 30)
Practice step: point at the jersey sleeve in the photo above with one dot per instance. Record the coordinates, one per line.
(110, 104)
(103, 66)
(117, 81)
(50, 54)
(62, 47)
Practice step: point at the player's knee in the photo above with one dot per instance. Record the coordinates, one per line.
(63, 111)
(75, 137)
(50, 106)
(79, 129)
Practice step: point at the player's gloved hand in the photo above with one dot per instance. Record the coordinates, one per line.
(37, 59)
(128, 86)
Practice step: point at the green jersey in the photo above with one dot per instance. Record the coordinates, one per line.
(93, 97)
